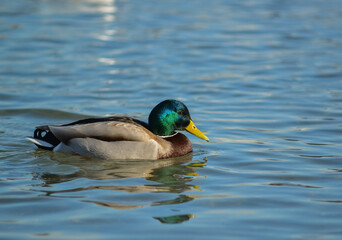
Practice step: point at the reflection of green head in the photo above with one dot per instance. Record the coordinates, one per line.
(168, 116)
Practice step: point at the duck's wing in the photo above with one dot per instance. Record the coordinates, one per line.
(103, 130)
(108, 119)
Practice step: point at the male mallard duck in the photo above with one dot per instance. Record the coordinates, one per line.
(123, 137)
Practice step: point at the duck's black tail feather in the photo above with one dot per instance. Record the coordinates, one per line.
(44, 138)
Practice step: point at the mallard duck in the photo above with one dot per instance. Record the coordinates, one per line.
(124, 137)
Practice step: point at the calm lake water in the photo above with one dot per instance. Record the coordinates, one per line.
(262, 79)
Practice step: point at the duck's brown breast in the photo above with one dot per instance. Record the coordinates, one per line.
(180, 145)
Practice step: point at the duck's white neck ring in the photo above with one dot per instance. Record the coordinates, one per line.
(169, 135)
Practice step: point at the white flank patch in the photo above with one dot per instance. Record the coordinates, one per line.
(63, 148)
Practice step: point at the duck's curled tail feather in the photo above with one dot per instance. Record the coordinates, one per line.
(44, 138)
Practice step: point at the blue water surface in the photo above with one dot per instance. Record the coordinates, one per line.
(262, 79)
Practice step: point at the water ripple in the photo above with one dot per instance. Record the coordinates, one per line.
(261, 78)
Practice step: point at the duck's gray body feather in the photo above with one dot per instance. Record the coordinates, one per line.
(107, 139)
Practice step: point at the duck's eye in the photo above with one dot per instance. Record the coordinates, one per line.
(181, 112)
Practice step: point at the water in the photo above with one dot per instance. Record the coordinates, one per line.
(262, 79)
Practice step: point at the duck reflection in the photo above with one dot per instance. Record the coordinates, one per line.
(175, 218)
(164, 176)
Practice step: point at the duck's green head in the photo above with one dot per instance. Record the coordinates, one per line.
(171, 115)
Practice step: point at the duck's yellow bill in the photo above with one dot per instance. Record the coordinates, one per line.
(191, 128)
